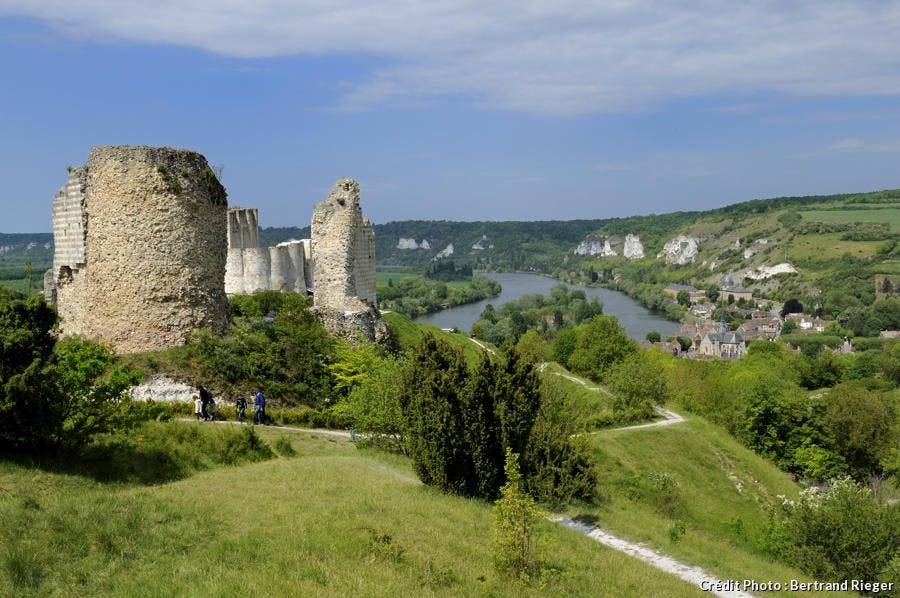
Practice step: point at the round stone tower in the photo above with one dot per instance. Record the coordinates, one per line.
(155, 247)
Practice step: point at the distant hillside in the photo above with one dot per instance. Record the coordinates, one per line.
(836, 253)
(538, 246)
(18, 248)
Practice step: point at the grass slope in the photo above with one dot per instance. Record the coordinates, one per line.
(692, 474)
(332, 521)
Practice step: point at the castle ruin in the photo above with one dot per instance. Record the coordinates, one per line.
(140, 248)
(249, 267)
(146, 249)
(343, 249)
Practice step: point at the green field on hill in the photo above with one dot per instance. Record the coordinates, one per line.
(888, 215)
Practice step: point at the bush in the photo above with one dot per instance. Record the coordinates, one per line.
(844, 534)
(515, 516)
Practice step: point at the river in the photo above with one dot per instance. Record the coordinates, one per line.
(636, 319)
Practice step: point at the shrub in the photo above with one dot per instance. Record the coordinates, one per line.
(515, 516)
(844, 534)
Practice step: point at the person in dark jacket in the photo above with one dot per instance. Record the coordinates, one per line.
(259, 414)
(241, 405)
(205, 401)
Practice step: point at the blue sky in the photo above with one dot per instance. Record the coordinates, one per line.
(459, 110)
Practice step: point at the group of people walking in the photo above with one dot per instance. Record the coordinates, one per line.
(205, 406)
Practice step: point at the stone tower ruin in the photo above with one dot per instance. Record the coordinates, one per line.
(141, 243)
(343, 249)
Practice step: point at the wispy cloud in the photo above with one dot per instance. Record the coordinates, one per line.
(552, 57)
(852, 144)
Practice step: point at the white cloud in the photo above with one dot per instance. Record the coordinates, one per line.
(857, 145)
(558, 57)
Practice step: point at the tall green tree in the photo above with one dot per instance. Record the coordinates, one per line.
(433, 392)
(600, 344)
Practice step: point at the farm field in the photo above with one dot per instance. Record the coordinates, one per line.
(889, 215)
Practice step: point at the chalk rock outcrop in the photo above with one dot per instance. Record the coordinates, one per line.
(445, 252)
(589, 248)
(763, 272)
(404, 243)
(611, 246)
(634, 249)
(141, 248)
(343, 244)
(681, 250)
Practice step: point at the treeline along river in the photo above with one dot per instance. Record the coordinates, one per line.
(636, 319)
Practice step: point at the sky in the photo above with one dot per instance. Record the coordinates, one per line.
(459, 110)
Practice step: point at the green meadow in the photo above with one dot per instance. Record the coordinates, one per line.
(888, 215)
(323, 518)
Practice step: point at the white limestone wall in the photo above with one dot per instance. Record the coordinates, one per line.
(243, 228)
(70, 222)
(297, 258)
(308, 262)
(234, 272)
(280, 270)
(256, 269)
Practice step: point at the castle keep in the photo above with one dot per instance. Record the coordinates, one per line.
(140, 248)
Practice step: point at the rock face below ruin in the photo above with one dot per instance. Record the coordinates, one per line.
(153, 249)
(343, 245)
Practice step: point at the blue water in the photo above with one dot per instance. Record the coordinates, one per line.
(636, 319)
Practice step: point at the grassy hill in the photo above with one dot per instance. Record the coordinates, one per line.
(333, 520)
(694, 492)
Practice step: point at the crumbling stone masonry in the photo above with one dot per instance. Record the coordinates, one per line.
(250, 267)
(140, 248)
(343, 247)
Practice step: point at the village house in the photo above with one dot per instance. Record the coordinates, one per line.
(695, 294)
(806, 323)
(761, 326)
(724, 344)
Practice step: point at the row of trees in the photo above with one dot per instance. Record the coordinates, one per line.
(546, 314)
(417, 295)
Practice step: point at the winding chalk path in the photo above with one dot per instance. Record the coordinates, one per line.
(692, 575)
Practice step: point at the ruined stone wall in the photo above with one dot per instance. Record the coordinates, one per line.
(70, 221)
(343, 248)
(250, 267)
(156, 247)
(243, 228)
(69, 241)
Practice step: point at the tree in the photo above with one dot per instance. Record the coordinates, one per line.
(653, 336)
(564, 345)
(864, 424)
(532, 348)
(600, 344)
(482, 425)
(683, 298)
(29, 395)
(374, 404)
(431, 399)
(54, 396)
(637, 383)
(791, 306)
